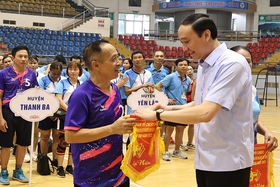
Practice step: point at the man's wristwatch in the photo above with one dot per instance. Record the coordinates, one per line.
(158, 112)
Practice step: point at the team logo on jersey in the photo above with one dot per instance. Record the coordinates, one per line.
(102, 108)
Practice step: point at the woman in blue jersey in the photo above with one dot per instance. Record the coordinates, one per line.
(49, 125)
(63, 91)
(258, 126)
(94, 123)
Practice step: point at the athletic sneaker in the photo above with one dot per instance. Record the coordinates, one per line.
(166, 156)
(179, 154)
(184, 147)
(60, 172)
(26, 158)
(191, 146)
(19, 176)
(4, 177)
(34, 157)
(69, 170)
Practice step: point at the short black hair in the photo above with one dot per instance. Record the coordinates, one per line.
(4, 57)
(137, 52)
(18, 48)
(56, 65)
(60, 58)
(181, 60)
(200, 23)
(35, 57)
(76, 57)
(129, 61)
(239, 47)
(93, 51)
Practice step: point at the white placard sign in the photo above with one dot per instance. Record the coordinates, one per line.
(34, 104)
(140, 99)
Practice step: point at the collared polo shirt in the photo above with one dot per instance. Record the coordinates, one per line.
(226, 142)
(176, 87)
(158, 74)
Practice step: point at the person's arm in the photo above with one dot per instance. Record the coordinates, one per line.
(186, 115)
(84, 135)
(122, 81)
(3, 123)
(268, 136)
(159, 86)
(128, 90)
(193, 90)
(62, 104)
(47, 70)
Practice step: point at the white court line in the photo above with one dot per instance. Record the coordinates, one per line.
(134, 184)
(276, 165)
(276, 158)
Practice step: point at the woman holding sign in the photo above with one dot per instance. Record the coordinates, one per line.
(63, 91)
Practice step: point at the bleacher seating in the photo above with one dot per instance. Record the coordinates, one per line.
(47, 42)
(266, 47)
(137, 42)
(49, 7)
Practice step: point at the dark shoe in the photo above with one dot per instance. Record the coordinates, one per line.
(69, 170)
(55, 164)
(60, 172)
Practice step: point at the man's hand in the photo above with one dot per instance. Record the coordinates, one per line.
(3, 125)
(147, 114)
(171, 102)
(123, 125)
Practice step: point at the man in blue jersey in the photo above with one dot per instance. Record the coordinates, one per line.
(175, 85)
(138, 76)
(96, 136)
(14, 79)
(156, 68)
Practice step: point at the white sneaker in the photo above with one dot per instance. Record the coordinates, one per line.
(26, 158)
(184, 147)
(179, 154)
(34, 157)
(166, 156)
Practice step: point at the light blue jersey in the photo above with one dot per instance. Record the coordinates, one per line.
(48, 84)
(65, 88)
(83, 78)
(158, 74)
(176, 87)
(42, 69)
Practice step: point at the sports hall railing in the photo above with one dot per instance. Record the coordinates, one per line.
(159, 1)
(223, 35)
(91, 11)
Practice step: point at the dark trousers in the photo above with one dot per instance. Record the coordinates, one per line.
(126, 184)
(239, 178)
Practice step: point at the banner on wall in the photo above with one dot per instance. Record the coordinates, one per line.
(227, 4)
(269, 25)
